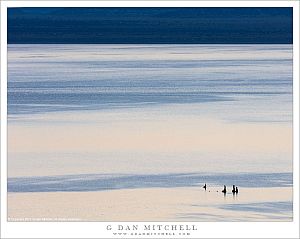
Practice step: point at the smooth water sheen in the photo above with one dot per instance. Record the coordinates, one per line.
(81, 183)
(46, 78)
(142, 121)
(140, 109)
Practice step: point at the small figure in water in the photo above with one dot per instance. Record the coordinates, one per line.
(204, 187)
(233, 189)
(224, 190)
(236, 190)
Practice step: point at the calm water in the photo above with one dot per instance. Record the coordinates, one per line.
(149, 109)
(47, 78)
(81, 183)
(107, 117)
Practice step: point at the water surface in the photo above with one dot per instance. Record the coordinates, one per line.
(113, 118)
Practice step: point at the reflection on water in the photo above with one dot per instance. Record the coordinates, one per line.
(259, 211)
(82, 109)
(265, 207)
(256, 79)
(101, 182)
(144, 117)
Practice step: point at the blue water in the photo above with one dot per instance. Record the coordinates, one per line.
(267, 211)
(228, 83)
(263, 207)
(99, 182)
(150, 25)
(52, 78)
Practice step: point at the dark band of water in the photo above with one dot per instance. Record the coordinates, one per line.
(99, 182)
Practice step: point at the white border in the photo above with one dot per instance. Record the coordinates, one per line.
(97, 229)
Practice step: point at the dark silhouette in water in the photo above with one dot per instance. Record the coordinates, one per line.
(235, 189)
(204, 187)
(224, 190)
